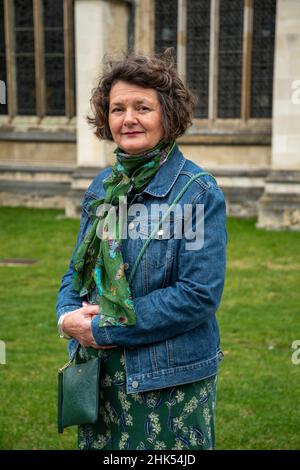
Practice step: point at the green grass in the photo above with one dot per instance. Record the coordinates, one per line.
(258, 394)
(258, 388)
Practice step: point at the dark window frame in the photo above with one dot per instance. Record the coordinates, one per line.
(39, 60)
(246, 113)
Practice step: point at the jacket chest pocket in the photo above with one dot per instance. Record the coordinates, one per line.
(161, 249)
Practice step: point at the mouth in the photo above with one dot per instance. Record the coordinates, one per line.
(132, 133)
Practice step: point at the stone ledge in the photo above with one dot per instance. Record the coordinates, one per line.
(32, 200)
(242, 172)
(37, 169)
(87, 172)
(225, 138)
(65, 187)
(283, 176)
(34, 187)
(38, 135)
(279, 212)
(279, 206)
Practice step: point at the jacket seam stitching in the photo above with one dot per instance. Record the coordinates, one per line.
(170, 184)
(108, 337)
(200, 181)
(171, 371)
(200, 194)
(210, 374)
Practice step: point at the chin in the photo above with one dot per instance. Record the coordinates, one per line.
(134, 149)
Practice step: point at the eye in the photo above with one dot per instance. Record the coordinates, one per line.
(116, 110)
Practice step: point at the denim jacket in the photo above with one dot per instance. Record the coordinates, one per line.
(176, 291)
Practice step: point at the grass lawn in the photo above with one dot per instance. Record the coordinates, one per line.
(258, 388)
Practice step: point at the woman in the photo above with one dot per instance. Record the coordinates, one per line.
(155, 328)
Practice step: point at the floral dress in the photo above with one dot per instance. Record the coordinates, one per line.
(175, 418)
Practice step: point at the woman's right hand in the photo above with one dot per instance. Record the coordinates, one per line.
(77, 324)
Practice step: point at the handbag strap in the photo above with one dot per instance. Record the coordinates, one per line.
(61, 369)
(159, 225)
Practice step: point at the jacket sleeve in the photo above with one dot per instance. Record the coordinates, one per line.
(68, 299)
(176, 309)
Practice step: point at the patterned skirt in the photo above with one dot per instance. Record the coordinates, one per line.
(175, 418)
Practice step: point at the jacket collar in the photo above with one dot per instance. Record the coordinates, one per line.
(166, 176)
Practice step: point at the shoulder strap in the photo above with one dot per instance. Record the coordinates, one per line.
(159, 225)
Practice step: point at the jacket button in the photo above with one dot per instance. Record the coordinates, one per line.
(140, 199)
(135, 384)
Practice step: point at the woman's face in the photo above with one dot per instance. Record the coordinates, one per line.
(135, 118)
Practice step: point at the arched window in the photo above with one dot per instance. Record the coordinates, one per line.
(230, 58)
(165, 25)
(229, 53)
(54, 55)
(24, 57)
(197, 54)
(38, 37)
(262, 60)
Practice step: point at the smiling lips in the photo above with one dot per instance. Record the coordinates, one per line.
(132, 133)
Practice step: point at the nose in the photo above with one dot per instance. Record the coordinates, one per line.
(130, 118)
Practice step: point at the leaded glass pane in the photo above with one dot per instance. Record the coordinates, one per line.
(54, 41)
(54, 56)
(165, 25)
(262, 58)
(3, 95)
(198, 33)
(24, 41)
(230, 58)
(24, 52)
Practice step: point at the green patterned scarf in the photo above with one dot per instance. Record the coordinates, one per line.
(98, 261)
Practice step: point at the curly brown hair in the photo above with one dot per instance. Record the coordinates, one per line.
(159, 73)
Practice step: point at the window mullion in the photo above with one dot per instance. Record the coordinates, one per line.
(144, 26)
(181, 39)
(10, 58)
(69, 63)
(39, 58)
(247, 49)
(213, 60)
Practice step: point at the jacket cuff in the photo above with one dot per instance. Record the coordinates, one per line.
(66, 309)
(100, 333)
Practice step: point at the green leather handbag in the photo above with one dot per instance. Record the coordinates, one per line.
(78, 392)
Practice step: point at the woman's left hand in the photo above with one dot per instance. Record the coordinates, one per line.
(94, 344)
(77, 324)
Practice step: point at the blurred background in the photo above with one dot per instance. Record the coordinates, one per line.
(241, 58)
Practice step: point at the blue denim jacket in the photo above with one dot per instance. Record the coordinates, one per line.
(176, 291)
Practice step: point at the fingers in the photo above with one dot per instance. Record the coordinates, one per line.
(88, 306)
(90, 309)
